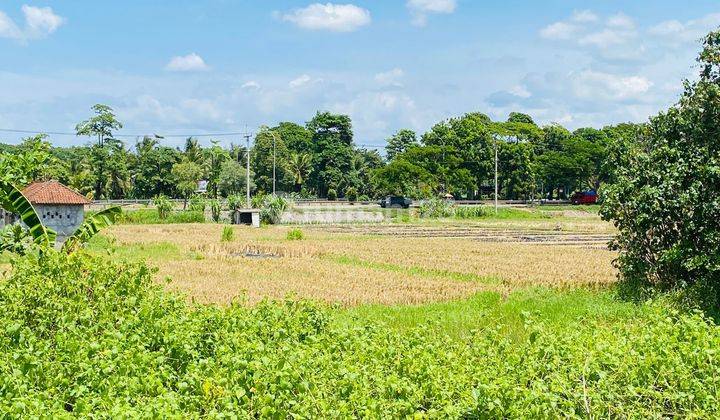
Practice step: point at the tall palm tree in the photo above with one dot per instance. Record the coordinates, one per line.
(299, 166)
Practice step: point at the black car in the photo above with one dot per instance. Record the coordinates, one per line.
(395, 202)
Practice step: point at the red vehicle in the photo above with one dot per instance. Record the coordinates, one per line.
(584, 197)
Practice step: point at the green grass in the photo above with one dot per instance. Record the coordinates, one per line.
(418, 271)
(4, 258)
(489, 309)
(151, 217)
(102, 245)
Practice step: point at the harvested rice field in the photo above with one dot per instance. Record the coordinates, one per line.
(356, 264)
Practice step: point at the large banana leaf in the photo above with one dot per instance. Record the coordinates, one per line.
(13, 200)
(92, 225)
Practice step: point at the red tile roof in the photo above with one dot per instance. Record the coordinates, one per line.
(52, 192)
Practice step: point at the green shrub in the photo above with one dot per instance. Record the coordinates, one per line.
(16, 239)
(151, 217)
(664, 200)
(295, 235)
(332, 194)
(351, 194)
(435, 208)
(228, 234)
(164, 206)
(215, 210)
(471, 212)
(272, 209)
(80, 336)
(235, 202)
(364, 198)
(197, 203)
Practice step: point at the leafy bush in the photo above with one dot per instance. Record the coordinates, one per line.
(364, 198)
(16, 239)
(332, 194)
(151, 217)
(295, 235)
(197, 203)
(471, 212)
(435, 208)
(272, 209)
(215, 210)
(665, 198)
(228, 234)
(80, 335)
(164, 206)
(351, 194)
(235, 202)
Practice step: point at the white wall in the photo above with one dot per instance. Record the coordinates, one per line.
(63, 219)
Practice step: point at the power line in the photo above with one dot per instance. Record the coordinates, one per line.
(243, 134)
(60, 133)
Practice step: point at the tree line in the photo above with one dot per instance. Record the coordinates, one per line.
(320, 159)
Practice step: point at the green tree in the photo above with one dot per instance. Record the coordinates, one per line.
(664, 202)
(269, 144)
(519, 117)
(101, 126)
(332, 148)
(299, 166)
(214, 158)
(232, 179)
(400, 142)
(152, 171)
(186, 175)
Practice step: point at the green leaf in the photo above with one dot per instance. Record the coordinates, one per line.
(92, 225)
(13, 200)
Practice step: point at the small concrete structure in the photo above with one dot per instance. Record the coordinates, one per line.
(59, 207)
(246, 217)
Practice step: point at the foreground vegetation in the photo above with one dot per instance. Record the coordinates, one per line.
(82, 335)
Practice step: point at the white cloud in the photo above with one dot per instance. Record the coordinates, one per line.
(593, 84)
(250, 85)
(329, 17)
(390, 77)
(676, 32)
(300, 81)
(621, 21)
(421, 8)
(8, 28)
(584, 28)
(520, 91)
(190, 62)
(606, 38)
(559, 30)
(584, 16)
(39, 23)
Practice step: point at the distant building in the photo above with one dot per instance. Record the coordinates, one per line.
(59, 207)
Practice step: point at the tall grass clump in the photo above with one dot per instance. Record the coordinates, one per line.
(295, 235)
(197, 203)
(228, 234)
(471, 212)
(215, 210)
(164, 206)
(80, 335)
(436, 208)
(151, 217)
(271, 208)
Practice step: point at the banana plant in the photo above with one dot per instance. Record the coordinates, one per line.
(13, 200)
(91, 226)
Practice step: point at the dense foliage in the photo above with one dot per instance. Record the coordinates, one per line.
(318, 159)
(665, 200)
(81, 335)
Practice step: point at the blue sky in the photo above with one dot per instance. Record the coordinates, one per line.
(217, 66)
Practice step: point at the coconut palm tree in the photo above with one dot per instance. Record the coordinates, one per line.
(299, 166)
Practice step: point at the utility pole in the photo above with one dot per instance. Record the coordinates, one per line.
(247, 171)
(496, 175)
